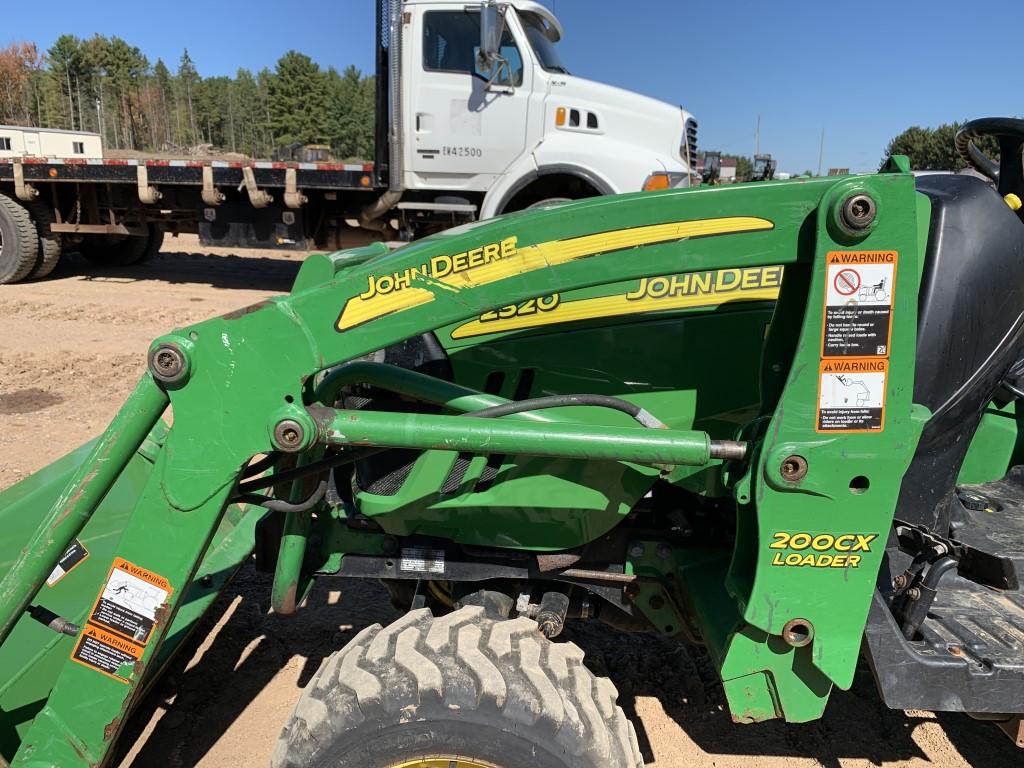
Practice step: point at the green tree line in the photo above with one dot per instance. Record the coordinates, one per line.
(933, 149)
(105, 85)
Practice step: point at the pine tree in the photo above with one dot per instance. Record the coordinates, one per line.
(298, 100)
(67, 65)
(351, 113)
(250, 115)
(188, 79)
(164, 84)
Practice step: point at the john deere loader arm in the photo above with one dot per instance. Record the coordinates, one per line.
(814, 477)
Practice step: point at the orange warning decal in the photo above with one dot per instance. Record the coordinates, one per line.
(106, 653)
(851, 395)
(859, 292)
(129, 600)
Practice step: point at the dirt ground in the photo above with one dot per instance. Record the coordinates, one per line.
(71, 348)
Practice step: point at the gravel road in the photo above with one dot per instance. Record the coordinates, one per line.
(71, 349)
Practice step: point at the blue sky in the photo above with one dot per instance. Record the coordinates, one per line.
(862, 71)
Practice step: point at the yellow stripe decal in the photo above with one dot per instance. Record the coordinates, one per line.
(394, 292)
(670, 292)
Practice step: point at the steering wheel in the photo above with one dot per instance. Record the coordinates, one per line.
(1008, 173)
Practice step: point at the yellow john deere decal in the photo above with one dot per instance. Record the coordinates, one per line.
(412, 287)
(651, 294)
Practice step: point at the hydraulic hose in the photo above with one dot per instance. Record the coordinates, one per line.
(918, 610)
(644, 417)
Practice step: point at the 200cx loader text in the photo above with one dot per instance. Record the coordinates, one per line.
(674, 412)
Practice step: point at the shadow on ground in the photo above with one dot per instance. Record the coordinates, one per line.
(253, 646)
(856, 724)
(228, 271)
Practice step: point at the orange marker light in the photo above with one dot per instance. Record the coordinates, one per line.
(560, 116)
(365, 181)
(656, 181)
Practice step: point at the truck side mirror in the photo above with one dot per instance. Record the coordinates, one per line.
(492, 24)
(489, 58)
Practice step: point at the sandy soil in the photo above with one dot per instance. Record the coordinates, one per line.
(72, 347)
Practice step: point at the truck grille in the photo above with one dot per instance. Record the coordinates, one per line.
(691, 141)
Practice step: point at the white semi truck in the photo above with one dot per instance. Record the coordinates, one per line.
(476, 115)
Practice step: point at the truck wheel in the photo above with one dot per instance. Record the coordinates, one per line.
(19, 243)
(49, 242)
(465, 689)
(155, 243)
(548, 201)
(114, 250)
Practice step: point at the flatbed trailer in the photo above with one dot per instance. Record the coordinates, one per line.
(475, 116)
(244, 204)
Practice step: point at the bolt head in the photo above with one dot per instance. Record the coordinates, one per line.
(858, 212)
(636, 550)
(793, 468)
(289, 435)
(168, 364)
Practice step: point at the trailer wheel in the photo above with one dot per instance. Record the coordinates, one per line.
(465, 689)
(114, 250)
(50, 246)
(19, 243)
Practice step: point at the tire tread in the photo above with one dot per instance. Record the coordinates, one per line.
(520, 678)
(27, 241)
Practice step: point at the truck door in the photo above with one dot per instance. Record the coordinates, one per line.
(459, 127)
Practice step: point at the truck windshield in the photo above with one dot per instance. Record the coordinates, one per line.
(537, 34)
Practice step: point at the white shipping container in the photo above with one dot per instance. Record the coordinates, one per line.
(20, 141)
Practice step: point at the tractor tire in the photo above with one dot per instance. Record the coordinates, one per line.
(465, 689)
(114, 250)
(19, 243)
(50, 246)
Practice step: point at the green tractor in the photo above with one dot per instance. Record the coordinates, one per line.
(763, 168)
(779, 421)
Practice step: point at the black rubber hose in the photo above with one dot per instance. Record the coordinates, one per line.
(279, 505)
(49, 619)
(560, 401)
(261, 466)
(291, 475)
(918, 609)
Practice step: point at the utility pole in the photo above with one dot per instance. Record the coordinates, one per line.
(821, 149)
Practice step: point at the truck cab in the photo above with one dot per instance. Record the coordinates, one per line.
(517, 129)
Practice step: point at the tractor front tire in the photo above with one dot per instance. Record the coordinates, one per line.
(465, 689)
(19, 243)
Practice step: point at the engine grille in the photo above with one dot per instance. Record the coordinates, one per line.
(691, 141)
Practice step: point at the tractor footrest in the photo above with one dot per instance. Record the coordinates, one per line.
(983, 626)
(967, 657)
(994, 518)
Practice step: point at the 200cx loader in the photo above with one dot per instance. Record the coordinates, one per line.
(675, 412)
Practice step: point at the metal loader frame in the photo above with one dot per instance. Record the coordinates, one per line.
(251, 383)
